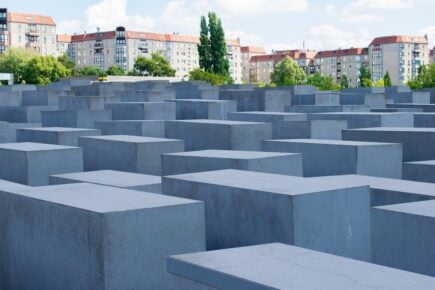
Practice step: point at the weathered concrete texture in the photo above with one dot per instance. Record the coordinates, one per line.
(334, 157)
(127, 180)
(8, 131)
(145, 96)
(267, 117)
(127, 153)
(403, 236)
(279, 266)
(42, 97)
(208, 160)
(316, 129)
(410, 97)
(74, 119)
(424, 107)
(219, 134)
(32, 163)
(54, 135)
(419, 171)
(149, 128)
(74, 103)
(417, 142)
(89, 236)
(203, 109)
(424, 120)
(366, 90)
(143, 111)
(247, 208)
(326, 109)
(366, 120)
(321, 99)
(373, 100)
(30, 114)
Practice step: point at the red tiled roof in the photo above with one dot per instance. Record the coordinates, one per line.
(253, 49)
(30, 18)
(342, 52)
(399, 39)
(63, 38)
(267, 57)
(92, 36)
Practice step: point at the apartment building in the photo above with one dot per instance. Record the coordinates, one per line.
(398, 54)
(261, 66)
(30, 31)
(246, 53)
(121, 47)
(63, 44)
(432, 55)
(336, 63)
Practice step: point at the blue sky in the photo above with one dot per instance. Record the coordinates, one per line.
(274, 24)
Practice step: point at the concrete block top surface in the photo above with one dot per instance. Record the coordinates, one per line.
(58, 129)
(30, 146)
(101, 199)
(266, 182)
(329, 142)
(269, 113)
(396, 129)
(8, 186)
(363, 113)
(230, 154)
(196, 101)
(279, 266)
(216, 122)
(425, 162)
(420, 208)
(129, 139)
(112, 178)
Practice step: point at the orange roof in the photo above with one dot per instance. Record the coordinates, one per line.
(342, 52)
(253, 49)
(267, 57)
(63, 38)
(92, 36)
(399, 39)
(30, 18)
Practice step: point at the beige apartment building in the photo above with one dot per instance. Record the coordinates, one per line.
(400, 55)
(432, 55)
(63, 44)
(336, 63)
(30, 31)
(247, 52)
(121, 47)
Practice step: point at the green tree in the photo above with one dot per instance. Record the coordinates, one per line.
(214, 79)
(69, 64)
(90, 71)
(43, 70)
(387, 80)
(365, 77)
(157, 66)
(204, 46)
(344, 82)
(379, 83)
(287, 73)
(115, 70)
(425, 77)
(218, 46)
(322, 83)
(14, 60)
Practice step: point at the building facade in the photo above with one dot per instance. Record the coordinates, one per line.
(400, 55)
(247, 52)
(63, 45)
(121, 47)
(336, 63)
(432, 55)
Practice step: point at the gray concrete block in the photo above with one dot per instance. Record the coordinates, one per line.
(9, 131)
(267, 117)
(145, 95)
(427, 108)
(410, 97)
(149, 128)
(417, 142)
(403, 236)
(127, 180)
(279, 266)
(321, 99)
(74, 119)
(326, 109)
(334, 157)
(315, 129)
(143, 111)
(127, 153)
(32, 163)
(203, 109)
(272, 100)
(89, 236)
(424, 120)
(247, 208)
(76, 103)
(208, 160)
(373, 100)
(30, 114)
(366, 120)
(54, 135)
(420, 171)
(219, 134)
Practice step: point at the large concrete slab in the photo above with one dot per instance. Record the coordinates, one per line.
(127, 153)
(89, 236)
(334, 157)
(246, 208)
(424, 120)
(419, 171)
(31, 163)
(326, 108)
(267, 117)
(74, 119)
(149, 128)
(31, 114)
(143, 111)
(315, 129)
(127, 180)
(55, 135)
(75, 103)
(219, 134)
(203, 109)
(279, 266)
(417, 142)
(208, 160)
(145, 95)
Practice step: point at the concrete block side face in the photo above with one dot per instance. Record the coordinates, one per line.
(59, 119)
(137, 243)
(57, 180)
(381, 197)
(419, 172)
(153, 188)
(330, 130)
(238, 217)
(86, 119)
(336, 222)
(291, 130)
(398, 120)
(191, 110)
(14, 166)
(287, 165)
(149, 155)
(38, 137)
(249, 137)
(45, 246)
(403, 241)
(381, 160)
(72, 138)
(160, 111)
(4, 133)
(218, 111)
(274, 101)
(153, 129)
(42, 164)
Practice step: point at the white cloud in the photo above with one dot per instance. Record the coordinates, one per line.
(184, 15)
(262, 6)
(430, 31)
(69, 27)
(245, 38)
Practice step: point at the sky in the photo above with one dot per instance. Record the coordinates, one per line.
(273, 24)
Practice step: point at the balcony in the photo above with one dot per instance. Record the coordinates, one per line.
(32, 44)
(33, 33)
(98, 45)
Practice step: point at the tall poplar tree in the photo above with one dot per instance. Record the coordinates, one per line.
(204, 46)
